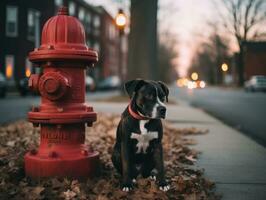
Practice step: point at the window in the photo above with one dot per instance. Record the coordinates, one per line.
(89, 43)
(96, 21)
(11, 21)
(81, 14)
(111, 31)
(88, 23)
(72, 8)
(31, 24)
(96, 47)
(58, 3)
(96, 25)
(28, 68)
(9, 66)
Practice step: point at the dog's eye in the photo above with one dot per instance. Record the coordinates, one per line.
(148, 97)
(162, 98)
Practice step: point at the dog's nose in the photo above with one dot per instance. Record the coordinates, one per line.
(162, 110)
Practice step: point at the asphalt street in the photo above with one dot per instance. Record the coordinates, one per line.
(15, 107)
(241, 110)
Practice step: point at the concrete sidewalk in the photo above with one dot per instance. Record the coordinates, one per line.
(233, 161)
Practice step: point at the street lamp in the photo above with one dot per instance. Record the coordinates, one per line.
(121, 21)
(194, 76)
(224, 67)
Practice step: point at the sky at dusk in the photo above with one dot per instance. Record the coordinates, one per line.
(185, 19)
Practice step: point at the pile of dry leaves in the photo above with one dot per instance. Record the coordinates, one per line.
(187, 182)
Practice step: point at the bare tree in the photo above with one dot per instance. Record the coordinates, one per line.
(209, 57)
(242, 20)
(167, 53)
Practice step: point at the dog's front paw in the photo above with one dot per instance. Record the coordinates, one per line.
(153, 174)
(126, 187)
(164, 186)
(153, 178)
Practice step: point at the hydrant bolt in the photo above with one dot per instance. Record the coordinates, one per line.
(34, 109)
(33, 151)
(50, 47)
(60, 109)
(52, 154)
(35, 125)
(84, 152)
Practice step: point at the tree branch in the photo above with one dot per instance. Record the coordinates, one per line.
(242, 16)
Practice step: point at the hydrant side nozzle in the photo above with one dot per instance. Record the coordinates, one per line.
(53, 85)
(33, 82)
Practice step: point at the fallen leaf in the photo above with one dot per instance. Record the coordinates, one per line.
(38, 190)
(69, 194)
(3, 152)
(190, 158)
(11, 143)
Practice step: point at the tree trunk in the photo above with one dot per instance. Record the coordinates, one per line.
(241, 67)
(142, 50)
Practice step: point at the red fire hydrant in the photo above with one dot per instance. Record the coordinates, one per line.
(62, 115)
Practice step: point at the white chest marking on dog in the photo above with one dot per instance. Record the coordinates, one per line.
(144, 137)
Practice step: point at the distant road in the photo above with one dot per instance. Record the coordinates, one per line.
(15, 107)
(241, 110)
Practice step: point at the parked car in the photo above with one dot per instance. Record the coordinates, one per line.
(110, 83)
(256, 83)
(23, 86)
(90, 84)
(3, 85)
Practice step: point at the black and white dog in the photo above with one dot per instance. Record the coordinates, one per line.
(138, 147)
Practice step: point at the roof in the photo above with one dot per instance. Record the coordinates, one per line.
(258, 46)
(89, 6)
(96, 9)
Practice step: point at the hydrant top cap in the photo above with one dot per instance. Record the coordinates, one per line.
(63, 38)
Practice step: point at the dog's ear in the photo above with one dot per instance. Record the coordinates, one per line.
(132, 86)
(165, 89)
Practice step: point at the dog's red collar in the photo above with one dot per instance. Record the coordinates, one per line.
(134, 114)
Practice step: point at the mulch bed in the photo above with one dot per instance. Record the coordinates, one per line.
(187, 182)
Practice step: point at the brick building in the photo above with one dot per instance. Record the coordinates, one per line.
(254, 59)
(109, 44)
(22, 21)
